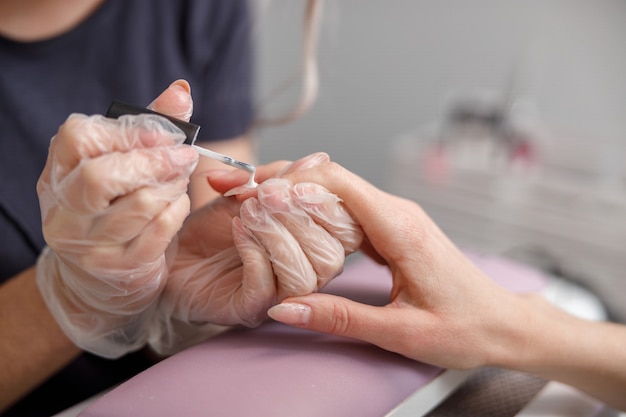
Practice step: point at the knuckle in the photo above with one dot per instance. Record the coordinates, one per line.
(171, 219)
(143, 201)
(91, 175)
(334, 165)
(341, 321)
(72, 131)
(96, 259)
(66, 130)
(92, 187)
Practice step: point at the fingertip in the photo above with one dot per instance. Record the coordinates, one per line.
(182, 83)
(225, 180)
(175, 101)
(292, 313)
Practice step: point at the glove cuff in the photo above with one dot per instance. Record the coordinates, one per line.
(110, 335)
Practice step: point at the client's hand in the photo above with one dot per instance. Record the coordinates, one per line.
(445, 311)
(235, 260)
(440, 306)
(112, 196)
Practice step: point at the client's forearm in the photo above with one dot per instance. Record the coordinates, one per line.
(590, 356)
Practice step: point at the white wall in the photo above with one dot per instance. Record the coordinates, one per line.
(388, 66)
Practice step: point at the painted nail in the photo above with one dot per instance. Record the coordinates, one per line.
(291, 313)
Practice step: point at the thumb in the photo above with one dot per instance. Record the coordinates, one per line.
(335, 315)
(175, 101)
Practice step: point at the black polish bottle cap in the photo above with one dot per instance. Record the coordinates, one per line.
(118, 108)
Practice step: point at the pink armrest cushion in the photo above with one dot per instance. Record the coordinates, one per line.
(276, 370)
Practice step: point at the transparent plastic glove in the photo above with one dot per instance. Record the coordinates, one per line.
(112, 196)
(315, 219)
(302, 205)
(221, 275)
(205, 279)
(235, 260)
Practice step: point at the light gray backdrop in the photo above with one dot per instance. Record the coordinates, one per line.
(387, 67)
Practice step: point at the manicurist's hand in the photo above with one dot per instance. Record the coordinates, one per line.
(112, 196)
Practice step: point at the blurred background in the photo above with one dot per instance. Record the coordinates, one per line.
(505, 119)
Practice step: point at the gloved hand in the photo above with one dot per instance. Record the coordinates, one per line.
(112, 197)
(299, 206)
(236, 260)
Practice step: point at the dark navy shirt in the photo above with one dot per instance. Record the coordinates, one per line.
(129, 50)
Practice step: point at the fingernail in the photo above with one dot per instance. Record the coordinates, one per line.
(291, 313)
(182, 84)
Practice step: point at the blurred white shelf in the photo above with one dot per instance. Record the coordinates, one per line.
(574, 218)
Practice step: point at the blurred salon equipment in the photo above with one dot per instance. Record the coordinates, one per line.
(495, 181)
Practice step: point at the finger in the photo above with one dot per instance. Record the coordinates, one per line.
(224, 180)
(328, 211)
(227, 181)
(117, 258)
(308, 162)
(264, 172)
(175, 101)
(96, 183)
(152, 241)
(295, 274)
(383, 326)
(258, 288)
(324, 252)
(130, 214)
(67, 231)
(83, 137)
